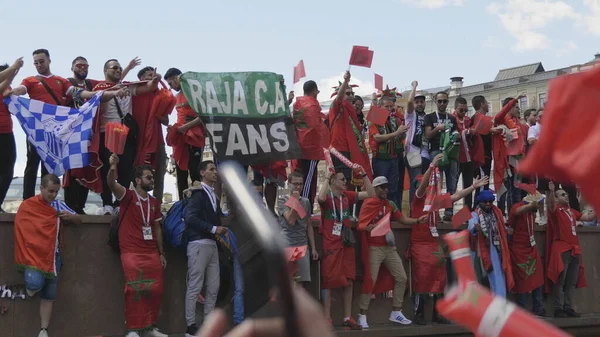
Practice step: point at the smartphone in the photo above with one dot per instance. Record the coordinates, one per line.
(267, 231)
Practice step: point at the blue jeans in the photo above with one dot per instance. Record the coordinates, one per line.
(538, 302)
(35, 281)
(388, 169)
(451, 174)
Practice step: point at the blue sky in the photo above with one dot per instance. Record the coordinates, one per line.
(425, 40)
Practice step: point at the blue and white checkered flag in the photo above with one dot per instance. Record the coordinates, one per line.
(60, 134)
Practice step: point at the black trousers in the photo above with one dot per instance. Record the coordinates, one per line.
(31, 171)
(487, 169)
(8, 153)
(193, 171)
(466, 171)
(124, 170)
(76, 195)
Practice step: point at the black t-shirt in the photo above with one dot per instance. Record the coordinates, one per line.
(419, 129)
(432, 121)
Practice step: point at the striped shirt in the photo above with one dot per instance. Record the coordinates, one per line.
(60, 206)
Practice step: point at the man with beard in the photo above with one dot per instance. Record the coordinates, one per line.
(492, 255)
(186, 120)
(436, 124)
(142, 252)
(346, 134)
(378, 250)
(50, 89)
(117, 110)
(313, 136)
(416, 149)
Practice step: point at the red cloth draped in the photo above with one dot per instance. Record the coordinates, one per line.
(565, 140)
(369, 211)
(526, 260)
(556, 244)
(499, 146)
(483, 250)
(428, 265)
(313, 134)
(150, 131)
(143, 289)
(346, 130)
(273, 170)
(478, 150)
(181, 142)
(36, 234)
(464, 126)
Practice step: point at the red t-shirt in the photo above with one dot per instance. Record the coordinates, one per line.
(396, 215)
(567, 220)
(330, 240)
(131, 236)
(59, 86)
(6, 125)
(420, 232)
(184, 110)
(339, 139)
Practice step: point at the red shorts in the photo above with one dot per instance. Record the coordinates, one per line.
(337, 267)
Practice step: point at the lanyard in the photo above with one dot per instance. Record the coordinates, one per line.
(146, 218)
(341, 209)
(213, 199)
(570, 215)
(438, 117)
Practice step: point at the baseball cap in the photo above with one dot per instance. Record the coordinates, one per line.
(381, 180)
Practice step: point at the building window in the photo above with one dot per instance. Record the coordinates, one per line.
(523, 103)
(542, 101)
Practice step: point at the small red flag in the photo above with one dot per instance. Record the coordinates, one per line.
(461, 217)
(295, 204)
(378, 115)
(529, 188)
(441, 201)
(299, 71)
(361, 56)
(382, 227)
(379, 82)
(484, 124)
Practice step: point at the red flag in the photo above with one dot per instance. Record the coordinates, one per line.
(567, 149)
(299, 71)
(378, 115)
(382, 227)
(484, 124)
(461, 217)
(442, 201)
(361, 56)
(529, 188)
(295, 204)
(379, 82)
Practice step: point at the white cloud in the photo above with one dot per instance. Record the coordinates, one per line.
(364, 89)
(592, 21)
(566, 49)
(526, 19)
(432, 4)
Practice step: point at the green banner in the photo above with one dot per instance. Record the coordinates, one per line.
(246, 114)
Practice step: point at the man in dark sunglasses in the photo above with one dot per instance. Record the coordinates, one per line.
(564, 267)
(436, 124)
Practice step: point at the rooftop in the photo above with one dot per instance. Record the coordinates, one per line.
(520, 71)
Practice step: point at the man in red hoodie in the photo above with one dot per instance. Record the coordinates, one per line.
(313, 136)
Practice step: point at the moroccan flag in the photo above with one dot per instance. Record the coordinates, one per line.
(565, 151)
(299, 71)
(483, 125)
(361, 56)
(461, 217)
(378, 115)
(379, 82)
(246, 113)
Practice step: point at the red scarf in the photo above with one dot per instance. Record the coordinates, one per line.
(313, 134)
(150, 136)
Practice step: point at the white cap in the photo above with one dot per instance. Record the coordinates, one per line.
(381, 180)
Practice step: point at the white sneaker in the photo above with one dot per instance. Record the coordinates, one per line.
(43, 333)
(108, 210)
(398, 317)
(132, 334)
(362, 320)
(154, 333)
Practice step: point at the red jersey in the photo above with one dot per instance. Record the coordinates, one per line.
(567, 223)
(379, 241)
(330, 213)
(6, 125)
(59, 86)
(421, 232)
(131, 234)
(184, 110)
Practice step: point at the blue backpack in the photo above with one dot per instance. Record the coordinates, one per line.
(174, 225)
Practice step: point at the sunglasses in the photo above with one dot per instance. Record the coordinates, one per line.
(115, 68)
(350, 93)
(442, 101)
(463, 110)
(563, 195)
(82, 66)
(297, 184)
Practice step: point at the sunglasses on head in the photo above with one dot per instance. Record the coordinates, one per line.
(442, 101)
